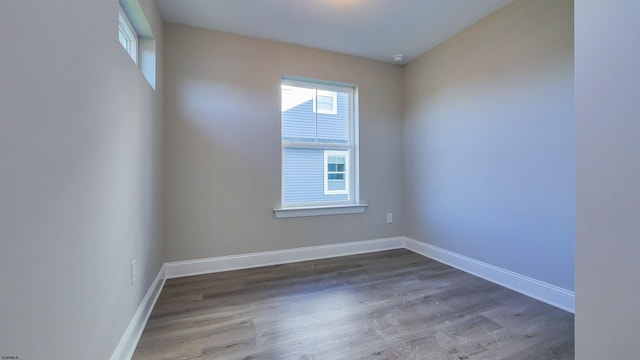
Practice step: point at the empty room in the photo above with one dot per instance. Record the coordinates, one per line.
(319, 179)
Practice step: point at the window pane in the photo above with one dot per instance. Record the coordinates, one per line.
(326, 102)
(336, 159)
(304, 177)
(300, 123)
(334, 128)
(123, 40)
(298, 118)
(127, 36)
(316, 146)
(336, 185)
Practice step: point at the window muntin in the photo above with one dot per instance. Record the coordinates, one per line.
(127, 36)
(318, 148)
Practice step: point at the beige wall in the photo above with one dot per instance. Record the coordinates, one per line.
(489, 142)
(80, 160)
(222, 145)
(607, 179)
(79, 169)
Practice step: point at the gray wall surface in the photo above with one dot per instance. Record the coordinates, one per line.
(222, 145)
(79, 170)
(607, 81)
(489, 142)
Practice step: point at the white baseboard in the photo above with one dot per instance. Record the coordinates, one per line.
(245, 261)
(550, 294)
(129, 341)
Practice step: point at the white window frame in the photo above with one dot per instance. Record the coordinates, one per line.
(127, 31)
(346, 172)
(334, 102)
(352, 205)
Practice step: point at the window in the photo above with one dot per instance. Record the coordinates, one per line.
(325, 102)
(336, 175)
(127, 36)
(319, 152)
(135, 34)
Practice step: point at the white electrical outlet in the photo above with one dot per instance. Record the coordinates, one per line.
(133, 272)
(389, 218)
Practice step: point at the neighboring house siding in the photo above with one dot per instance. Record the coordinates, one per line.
(303, 173)
(331, 128)
(304, 167)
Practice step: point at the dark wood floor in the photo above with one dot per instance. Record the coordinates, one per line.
(386, 305)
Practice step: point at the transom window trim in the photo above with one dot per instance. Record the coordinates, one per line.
(321, 85)
(350, 147)
(127, 35)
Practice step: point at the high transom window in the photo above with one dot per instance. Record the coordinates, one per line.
(127, 35)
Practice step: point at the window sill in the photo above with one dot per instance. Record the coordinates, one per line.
(319, 210)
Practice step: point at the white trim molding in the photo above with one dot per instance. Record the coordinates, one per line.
(131, 336)
(319, 210)
(545, 292)
(550, 294)
(245, 261)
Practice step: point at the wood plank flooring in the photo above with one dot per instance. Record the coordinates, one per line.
(385, 305)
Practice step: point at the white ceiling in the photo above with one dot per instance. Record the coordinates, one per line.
(374, 29)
